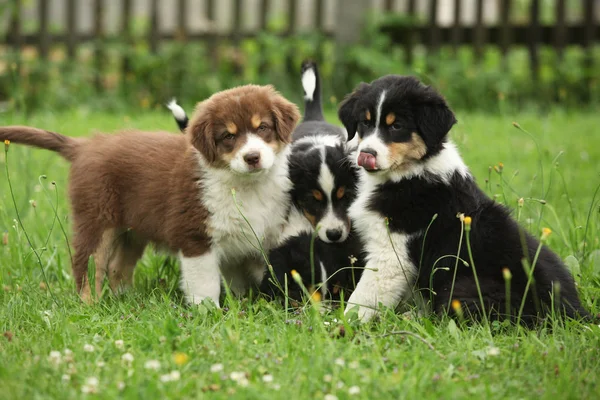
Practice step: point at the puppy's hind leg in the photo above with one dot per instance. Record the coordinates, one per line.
(201, 277)
(86, 241)
(127, 251)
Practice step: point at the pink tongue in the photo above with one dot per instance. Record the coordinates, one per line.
(367, 161)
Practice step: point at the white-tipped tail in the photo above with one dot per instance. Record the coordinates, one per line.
(176, 109)
(309, 84)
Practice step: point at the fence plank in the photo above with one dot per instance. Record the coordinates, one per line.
(434, 33)
(589, 33)
(15, 34)
(44, 37)
(560, 30)
(291, 28)
(479, 34)
(388, 5)
(457, 26)
(409, 38)
(72, 29)
(505, 23)
(534, 38)
(99, 50)
(210, 15)
(182, 20)
(154, 33)
(126, 34)
(264, 7)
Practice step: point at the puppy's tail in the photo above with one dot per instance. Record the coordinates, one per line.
(311, 83)
(64, 145)
(179, 114)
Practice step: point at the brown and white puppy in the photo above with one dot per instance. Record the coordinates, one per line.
(181, 192)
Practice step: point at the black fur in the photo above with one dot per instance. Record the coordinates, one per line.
(342, 272)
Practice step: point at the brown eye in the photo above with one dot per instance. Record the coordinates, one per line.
(229, 137)
(340, 192)
(397, 126)
(317, 195)
(263, 127)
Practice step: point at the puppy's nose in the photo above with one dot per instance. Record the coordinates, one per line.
(333, 234)
(252, 159)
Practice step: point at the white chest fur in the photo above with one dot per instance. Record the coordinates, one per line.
(389, 270)
(263, 202)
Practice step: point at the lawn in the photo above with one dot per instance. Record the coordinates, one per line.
(147, 344)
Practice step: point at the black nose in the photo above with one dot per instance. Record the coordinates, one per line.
(252, 159)
(369, 151)
(334, 234)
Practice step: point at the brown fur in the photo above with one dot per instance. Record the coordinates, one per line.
(135, 187)
(404, 154)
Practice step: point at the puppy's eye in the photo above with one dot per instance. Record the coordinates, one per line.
(396, 126)
(229, 137)
(340, 192)
(317, 195)
(263, 127)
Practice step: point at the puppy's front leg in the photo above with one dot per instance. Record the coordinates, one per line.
(201, 277)
(386, 285)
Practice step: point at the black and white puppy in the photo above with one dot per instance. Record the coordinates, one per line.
(323, 177)
(323, 187)
(410, 172)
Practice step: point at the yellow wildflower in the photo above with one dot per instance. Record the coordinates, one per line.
(180, 358)
(546, 233)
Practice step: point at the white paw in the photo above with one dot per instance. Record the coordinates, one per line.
(366, 306)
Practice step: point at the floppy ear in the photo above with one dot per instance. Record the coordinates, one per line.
(286, 115)
(201, 135)
(434, 120)
(347, 110)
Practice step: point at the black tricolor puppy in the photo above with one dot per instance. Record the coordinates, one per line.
(323, 187)
(323, 177)
(412, 171)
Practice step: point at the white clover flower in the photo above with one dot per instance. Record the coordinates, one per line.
(170, 377)
(243, 382)
(100, 364)
(267, 378)
(237, 376)
(493, 351)
(120, 385)
(276, 386)
(340, 384)
(352, 390)
(55, 358)
(354, 364)
(152, 364)
(97, 338)
(216, 368)
(340, 362)
(91, 385)
(119, 344)
(66, 378)
(330, 397)
(88, 348)
(68, 355)
(127, 358)
(327, 378)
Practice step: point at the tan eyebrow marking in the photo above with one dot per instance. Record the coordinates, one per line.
(255, 121)
(231, 128)
(368, 115)
(391, 117)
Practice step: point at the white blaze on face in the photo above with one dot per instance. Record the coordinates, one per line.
(330, 221)
(374, 140)
(309, 84)
(254, 143)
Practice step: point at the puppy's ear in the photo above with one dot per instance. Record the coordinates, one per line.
(347, 111)
(201, 135)
(286, 116)
(434, 119)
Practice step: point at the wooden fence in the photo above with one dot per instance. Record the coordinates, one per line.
(414, 30)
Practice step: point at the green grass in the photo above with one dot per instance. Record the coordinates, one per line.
(303, 351)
